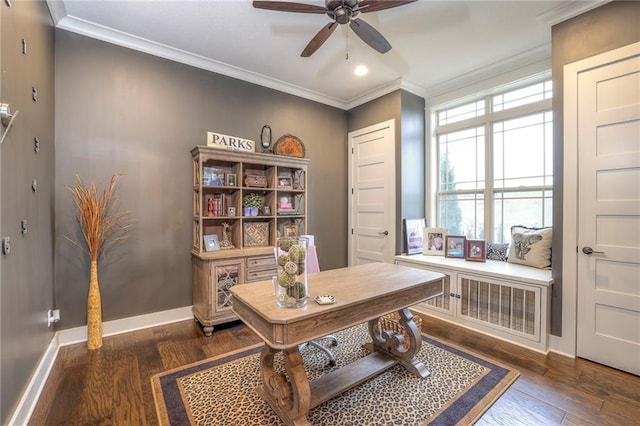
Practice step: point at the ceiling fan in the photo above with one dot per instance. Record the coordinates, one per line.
(341, 12)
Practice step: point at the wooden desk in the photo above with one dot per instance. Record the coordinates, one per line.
(363, 293)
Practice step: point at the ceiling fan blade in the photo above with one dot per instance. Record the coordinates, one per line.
(370, 35)
(366, 6)
(285, 6)
(319, 39)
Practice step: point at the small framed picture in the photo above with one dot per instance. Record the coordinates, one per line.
(266, 210)
(433, 240)
(413, 235)
(476, 251)
(212, 176)
(211, 242)
(290, 230)
(231, 211)
(231, 179)
(455, 246)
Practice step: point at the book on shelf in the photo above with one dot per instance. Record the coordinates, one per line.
(287, 212)
(217, 205)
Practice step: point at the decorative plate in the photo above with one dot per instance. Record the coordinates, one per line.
(290, 146)
(325, 300)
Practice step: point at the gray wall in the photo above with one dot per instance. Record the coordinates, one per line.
(26, 273)
(118, 110)
(407, 110)
(412, 159)
(608, 27)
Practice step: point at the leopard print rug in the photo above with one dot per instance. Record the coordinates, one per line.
(222, 391)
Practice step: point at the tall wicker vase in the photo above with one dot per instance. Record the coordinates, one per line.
(94, 310)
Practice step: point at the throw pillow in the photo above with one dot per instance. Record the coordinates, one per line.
(497, 251)
(530, 246)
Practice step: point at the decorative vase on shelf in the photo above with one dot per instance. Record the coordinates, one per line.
(291, 286)
(254, 211)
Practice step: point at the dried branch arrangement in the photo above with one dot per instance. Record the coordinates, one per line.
(100, 221)
(102, 224)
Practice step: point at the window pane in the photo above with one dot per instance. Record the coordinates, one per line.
(522, 151)
(463, 112)
(526, 208)
(462, 160)
(523, 96)
(462, 214)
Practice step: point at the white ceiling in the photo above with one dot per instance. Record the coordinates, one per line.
(434, 42)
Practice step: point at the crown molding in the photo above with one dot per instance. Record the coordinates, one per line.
(531, 61)
(385, 89)
(57, 10)
(567, 10)
(373, 94)
(541, 54)
(109, 35)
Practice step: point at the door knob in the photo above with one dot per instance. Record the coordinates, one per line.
(383, 233)
(589, 250)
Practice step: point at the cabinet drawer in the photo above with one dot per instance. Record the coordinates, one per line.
(259, 263)
(265, 274)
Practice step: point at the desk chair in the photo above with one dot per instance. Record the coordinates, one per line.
(333, 342)
(312, 267)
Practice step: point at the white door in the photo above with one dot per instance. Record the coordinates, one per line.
(608, 262)
(372, 198)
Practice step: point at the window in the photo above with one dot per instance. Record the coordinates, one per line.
(494, 159)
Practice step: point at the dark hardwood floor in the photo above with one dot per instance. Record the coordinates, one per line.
(112, 385)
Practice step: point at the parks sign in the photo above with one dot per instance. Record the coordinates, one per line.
(217, 140)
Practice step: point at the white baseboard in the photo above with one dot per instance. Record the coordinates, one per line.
(125, 325)
(561, 346)
(29, 398)
(27, 403)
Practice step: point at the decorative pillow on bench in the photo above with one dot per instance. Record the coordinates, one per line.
(530, 246)
(498, 251)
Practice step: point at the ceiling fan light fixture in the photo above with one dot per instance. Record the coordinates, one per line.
(341, 12)
(361, 70)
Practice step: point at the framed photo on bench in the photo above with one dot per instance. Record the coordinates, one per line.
(476, 251)
(413, 235)
(434, 241)
(455, 246)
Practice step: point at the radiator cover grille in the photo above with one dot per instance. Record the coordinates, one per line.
(501, 305)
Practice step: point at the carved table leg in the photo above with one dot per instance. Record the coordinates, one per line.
(392, 344)
(289, 398)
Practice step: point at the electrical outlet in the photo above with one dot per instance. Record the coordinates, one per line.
(53, 316)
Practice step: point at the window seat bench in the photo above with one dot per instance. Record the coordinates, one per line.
(501, 299)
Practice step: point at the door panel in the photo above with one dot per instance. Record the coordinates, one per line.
(608, 329)
(371, 205)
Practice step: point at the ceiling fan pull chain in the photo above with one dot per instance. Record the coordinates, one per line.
(346, 46)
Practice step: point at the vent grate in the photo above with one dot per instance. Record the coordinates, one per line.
(442, 302)
(508, 307)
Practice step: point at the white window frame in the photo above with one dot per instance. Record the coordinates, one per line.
(485, 120)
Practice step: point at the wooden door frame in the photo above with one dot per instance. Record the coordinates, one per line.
(350, 191)
(568, 343)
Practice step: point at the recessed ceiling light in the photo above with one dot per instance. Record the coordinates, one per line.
(361, 70)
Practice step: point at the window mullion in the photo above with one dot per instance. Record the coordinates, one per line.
(488, 187)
